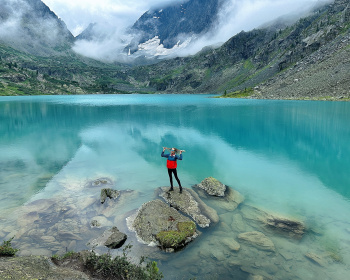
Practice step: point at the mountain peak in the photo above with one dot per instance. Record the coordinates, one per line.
(176, 23)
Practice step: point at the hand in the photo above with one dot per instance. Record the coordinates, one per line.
(180, 152)
(164, 149)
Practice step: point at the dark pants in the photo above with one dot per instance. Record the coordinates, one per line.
(170, 171)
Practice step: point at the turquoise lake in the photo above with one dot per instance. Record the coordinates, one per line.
(290, 158)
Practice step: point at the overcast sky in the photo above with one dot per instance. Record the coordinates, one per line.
(114, 16)
(77, 14)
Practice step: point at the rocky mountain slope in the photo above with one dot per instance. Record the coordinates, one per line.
(272, 61)
(176, 23)
(307, 60)
(30, 26)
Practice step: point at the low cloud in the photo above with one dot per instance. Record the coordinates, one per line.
(22, 27)
(113, 19)
(235, 16)
(245, 15)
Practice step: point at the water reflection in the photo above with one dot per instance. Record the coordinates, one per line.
(287, 157)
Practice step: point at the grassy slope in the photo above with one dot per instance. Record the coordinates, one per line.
(25, 74)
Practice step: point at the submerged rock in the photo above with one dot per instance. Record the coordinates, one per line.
(232, 244)
(111, 238)
(258, 240)
(255, 277)
(154, 217)
(212, 187)
(291, 227)
(316, 259)
(190, 204)
(278, 223)
(110, 193)
(100, 182)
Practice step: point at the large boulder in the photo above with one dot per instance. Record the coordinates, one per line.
(156, 223)
(258, 240)
(222, 196)
(111, 238)
(212, 187)
(189, 203)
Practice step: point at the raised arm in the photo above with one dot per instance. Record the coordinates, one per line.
(164, 155)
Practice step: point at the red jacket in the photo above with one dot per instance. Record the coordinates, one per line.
(171, 163)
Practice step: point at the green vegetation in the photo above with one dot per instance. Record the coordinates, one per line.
(69, 254)
(176, 238)
(120, 267)
(238, 94)
(6, 249)
(107, 267)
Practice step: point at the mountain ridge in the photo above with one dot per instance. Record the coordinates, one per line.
(30, 26)
(292, 63)
(183, 19)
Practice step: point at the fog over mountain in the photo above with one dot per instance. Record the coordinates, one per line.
(29, 25)
(223, 19)
(111, 25)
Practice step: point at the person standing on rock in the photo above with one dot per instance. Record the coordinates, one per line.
(171, 165)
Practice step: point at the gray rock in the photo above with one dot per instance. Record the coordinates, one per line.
(95, 223)
(287, 226)
(212, 187)
(190, 204)
(111, 238)
(316, 259)
(100, 221)
(255, 277)
(223, 196)
(238, 223)
(258, 240)
(232, 244)
(112, 194)
(154, 217)
(99, 183)
(283, 225)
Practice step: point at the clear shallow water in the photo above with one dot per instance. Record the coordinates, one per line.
(287, 157)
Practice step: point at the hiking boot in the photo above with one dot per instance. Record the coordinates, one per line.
(171, 189)
(180, 189)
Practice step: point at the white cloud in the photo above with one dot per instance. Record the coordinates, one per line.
(246, 15)
(114, 16)
(78, 14)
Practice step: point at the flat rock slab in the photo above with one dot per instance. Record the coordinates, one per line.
(111, 238)
(258, 240)
(285, 225)
(153, 217)
(232, 244)
(190, 204)
(289, 227)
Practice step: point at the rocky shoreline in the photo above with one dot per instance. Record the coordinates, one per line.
(166, 224)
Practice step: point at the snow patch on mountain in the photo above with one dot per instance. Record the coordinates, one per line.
(154, 48)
